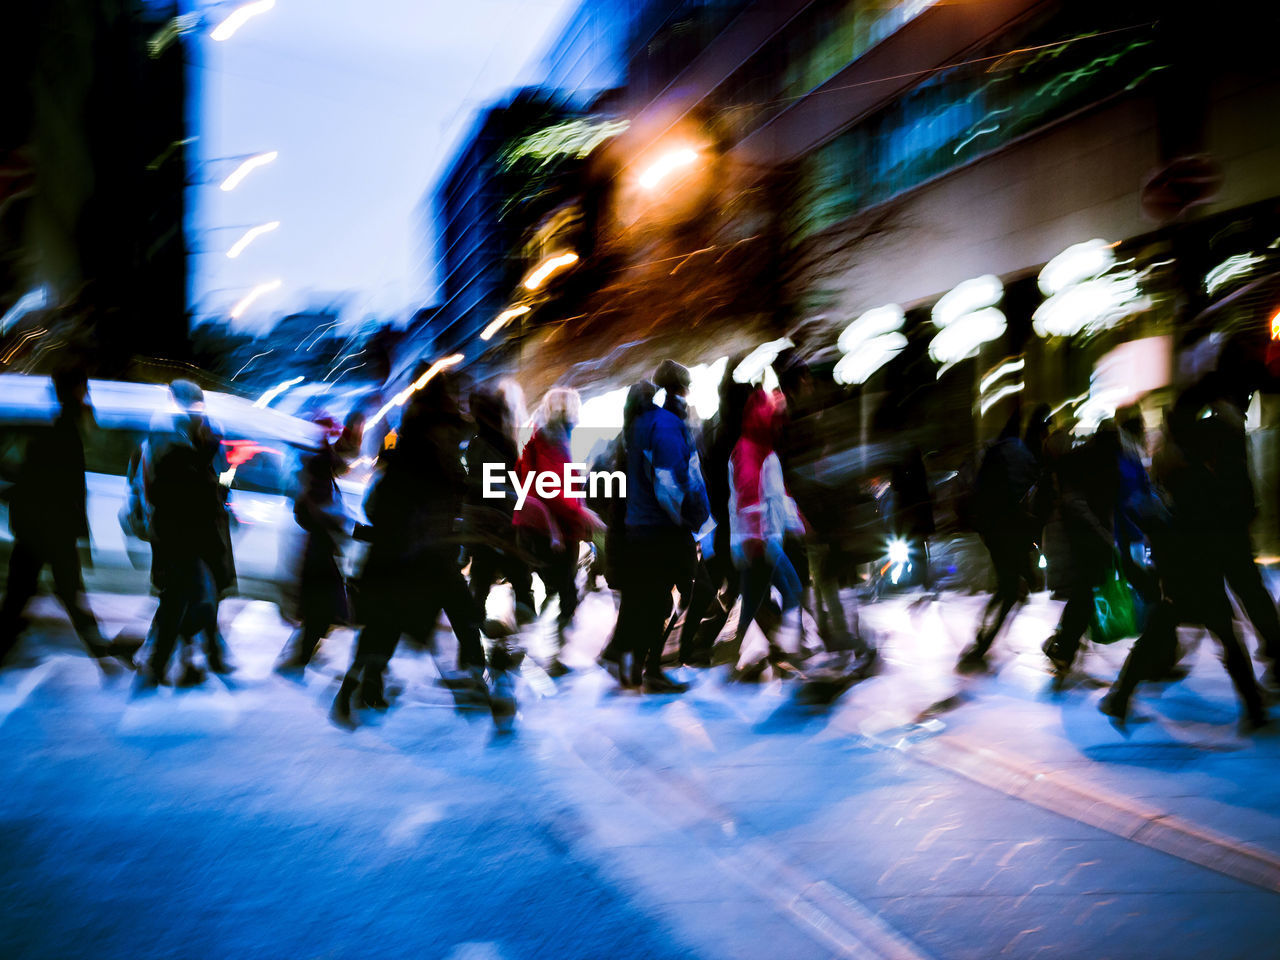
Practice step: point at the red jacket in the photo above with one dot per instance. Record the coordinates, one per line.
(547, 453)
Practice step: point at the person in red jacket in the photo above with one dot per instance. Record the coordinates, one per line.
(552, 527)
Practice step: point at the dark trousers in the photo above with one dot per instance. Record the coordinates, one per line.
(829, 564)
(188, 607)
(715, 590)
(658, 560)
(1009, 555)
(25, 564)
(1152, 654)
(486, 564)
(392, 605)
(1245, 581)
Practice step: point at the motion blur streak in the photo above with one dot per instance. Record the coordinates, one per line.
(247, 167)
(239, 17)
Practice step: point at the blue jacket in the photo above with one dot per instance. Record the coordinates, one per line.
(665, 488)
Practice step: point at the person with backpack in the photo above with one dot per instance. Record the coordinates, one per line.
(192, 564)
(666, 506)
(1000, 509)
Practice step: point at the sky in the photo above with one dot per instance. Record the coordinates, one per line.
(363, 100)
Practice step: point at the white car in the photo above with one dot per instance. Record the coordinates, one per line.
(264, 446)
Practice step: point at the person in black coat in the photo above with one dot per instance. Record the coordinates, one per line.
(191, 557)
(411, 571)
(47, 517)
(1001, 512)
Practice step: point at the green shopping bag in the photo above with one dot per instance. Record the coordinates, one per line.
(1117, 610)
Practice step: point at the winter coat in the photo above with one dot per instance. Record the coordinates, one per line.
(761, 512)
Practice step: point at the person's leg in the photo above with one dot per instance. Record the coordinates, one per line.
(701, 602)
(1008, 567)
(175, 598)
(1246, 583)
(755, 587)
(68, 584)
(565, 575)
(464, 616)
(670, 564)
(20, 586)
(1147, 653)
(1063, 646)
(484, 570)
(1236, 660)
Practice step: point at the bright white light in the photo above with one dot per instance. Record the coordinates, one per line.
(36, 299)
(239, 17)
(1079, 262)
(265, 400)
(247, 167)
(704, 387)
(548, 267)
(899, 550)
(1007, 390)
(501, 320)
(759, 360)
(961, 338)
(1089, 306)
(667, 164)
(1009, 366)
(251, 235)
(1229, 268)
(967, 297)
(1044, 564)
(247, 300)
(868, 357)
(872, 324)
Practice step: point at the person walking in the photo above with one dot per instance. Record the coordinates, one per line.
(554, 525)
(47, 516)
(191, 556)
(1183, 526)
(718, 583)
(411, 570)
(1089, 483)
(318, 510)
(1004, 489)
(761, 515)
(666, 505)
(487, 521)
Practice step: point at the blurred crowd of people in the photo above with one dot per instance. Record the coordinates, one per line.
(768, 498)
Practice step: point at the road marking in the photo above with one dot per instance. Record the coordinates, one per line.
(829, 915)
(1094, 806)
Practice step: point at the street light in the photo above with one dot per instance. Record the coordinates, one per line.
(246, 167)
(247, 300)
(547, 267)
(249, 236)
(238, 17)
(502, 319)
(667, 164)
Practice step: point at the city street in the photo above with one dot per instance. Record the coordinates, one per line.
(923, 815)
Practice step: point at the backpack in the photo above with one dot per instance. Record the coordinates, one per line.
(135, 514)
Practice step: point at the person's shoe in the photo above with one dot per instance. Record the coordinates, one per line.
(556, 668)
(972, 661)
(293, 665)
(660, 683)
(1256, 723)
(215, 656)
(700, 659)
(371, 692)
(1061, 665)
(525, 614)
(192, 676)
(1115, 711)
(341, 710)
(867, 663)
